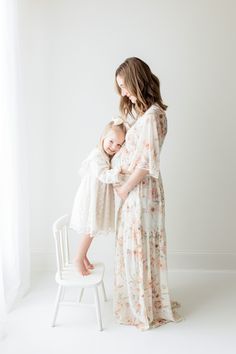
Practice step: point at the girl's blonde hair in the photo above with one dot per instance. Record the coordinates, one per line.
(141, 83)
(111, 126)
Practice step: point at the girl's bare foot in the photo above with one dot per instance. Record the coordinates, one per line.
(87, 264)
(81, 267)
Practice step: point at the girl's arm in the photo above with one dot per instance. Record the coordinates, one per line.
(103, 172)
(109, 176)
(135, 178)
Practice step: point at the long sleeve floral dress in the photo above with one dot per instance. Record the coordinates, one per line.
(141, 294)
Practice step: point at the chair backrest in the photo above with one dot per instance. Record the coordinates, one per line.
(60, 233)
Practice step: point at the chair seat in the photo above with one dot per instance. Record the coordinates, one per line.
(71, 276)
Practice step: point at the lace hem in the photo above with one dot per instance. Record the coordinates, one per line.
(92, 233)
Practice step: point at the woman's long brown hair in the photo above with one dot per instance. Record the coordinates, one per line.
(141, 83)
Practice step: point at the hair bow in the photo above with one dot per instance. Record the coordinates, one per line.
(118, 121)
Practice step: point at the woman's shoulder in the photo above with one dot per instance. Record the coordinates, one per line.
(155, 109)
(153, 113)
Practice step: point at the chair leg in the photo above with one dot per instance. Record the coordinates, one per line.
(103, 290)
(62, 293)
(58, 297)
(98, 310)
(81, 294)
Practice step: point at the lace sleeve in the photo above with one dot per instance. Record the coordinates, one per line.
(102, 170)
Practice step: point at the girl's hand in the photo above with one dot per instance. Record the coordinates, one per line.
(122, 192)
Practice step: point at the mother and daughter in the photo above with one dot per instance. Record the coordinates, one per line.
(127, 161)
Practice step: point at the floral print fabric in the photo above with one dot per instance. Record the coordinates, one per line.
(141, 294)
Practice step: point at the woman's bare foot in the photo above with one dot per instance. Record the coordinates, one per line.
(87, 264)
(82, 269)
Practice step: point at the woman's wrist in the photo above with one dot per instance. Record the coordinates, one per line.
(126, 187)
(134, 179)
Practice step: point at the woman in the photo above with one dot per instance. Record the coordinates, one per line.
(141, 295)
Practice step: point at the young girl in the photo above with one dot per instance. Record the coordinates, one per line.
(93, 210)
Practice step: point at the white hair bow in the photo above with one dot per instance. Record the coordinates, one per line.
(118, 121)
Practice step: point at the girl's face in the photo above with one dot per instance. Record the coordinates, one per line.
(113, 142)
(124, 91)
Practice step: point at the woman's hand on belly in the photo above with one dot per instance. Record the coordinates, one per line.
(122, 192)
(135, 178)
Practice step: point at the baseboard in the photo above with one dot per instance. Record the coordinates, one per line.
(177, 260)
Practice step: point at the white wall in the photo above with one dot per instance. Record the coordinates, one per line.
(70, 52)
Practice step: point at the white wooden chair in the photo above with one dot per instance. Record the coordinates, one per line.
(68, 276)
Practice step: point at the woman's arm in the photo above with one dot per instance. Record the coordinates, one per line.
(134, 179)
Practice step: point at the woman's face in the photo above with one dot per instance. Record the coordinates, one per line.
(113, 142)
(124, 91)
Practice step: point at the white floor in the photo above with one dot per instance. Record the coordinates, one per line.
(208, 302)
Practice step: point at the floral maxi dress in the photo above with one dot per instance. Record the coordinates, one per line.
(141, 295)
